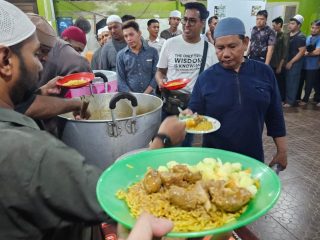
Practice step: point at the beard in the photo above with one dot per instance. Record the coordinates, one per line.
(25, 85)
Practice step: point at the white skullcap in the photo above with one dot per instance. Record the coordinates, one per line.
(100, 31)
(105, 29)
(175, 13)
(298, 18)
(114, 18)
(15, 26)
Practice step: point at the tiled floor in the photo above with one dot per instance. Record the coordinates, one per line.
(296, 216)
(297, 213)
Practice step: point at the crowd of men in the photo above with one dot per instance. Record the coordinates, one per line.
(241, 92)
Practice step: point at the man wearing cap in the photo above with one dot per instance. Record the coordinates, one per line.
(294, 61)
(76, 37)
(262, 39)
(242, 94)
(103, 37)
(47, 189)
(114, 45)
(174, 21)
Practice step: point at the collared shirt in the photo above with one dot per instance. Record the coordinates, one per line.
(242, 102)
(280, 49)
(109, 54)
(166, 34)
(46, 188)
(137, 71)
(260, 40)
(157, 44)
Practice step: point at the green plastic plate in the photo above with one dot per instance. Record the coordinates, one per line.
(132, 168)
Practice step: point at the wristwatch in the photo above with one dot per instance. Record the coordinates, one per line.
(164, 138)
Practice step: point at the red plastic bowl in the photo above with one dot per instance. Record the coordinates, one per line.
(88, 77)
(176, 84)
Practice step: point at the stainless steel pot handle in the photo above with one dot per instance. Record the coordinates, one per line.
(131, 124)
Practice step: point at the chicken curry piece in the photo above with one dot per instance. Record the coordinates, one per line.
(188, 191)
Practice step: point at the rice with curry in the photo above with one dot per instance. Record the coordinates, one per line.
(199, 197)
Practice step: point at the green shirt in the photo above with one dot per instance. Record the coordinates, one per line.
(47, 191)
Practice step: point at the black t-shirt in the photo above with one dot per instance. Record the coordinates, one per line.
(296, 41)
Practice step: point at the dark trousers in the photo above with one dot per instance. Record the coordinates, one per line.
(317, 88)
(310, 79)
(281, 83)
(301, 84)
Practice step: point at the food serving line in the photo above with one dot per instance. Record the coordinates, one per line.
(122, 122)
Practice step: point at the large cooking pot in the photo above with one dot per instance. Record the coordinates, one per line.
(119, 123)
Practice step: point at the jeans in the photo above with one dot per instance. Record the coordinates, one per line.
(311, 78)
(187, 142)
(292, 82)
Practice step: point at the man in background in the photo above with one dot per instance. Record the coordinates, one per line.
(174, 21)
(294, 61)
(136, 63)
(279, 55)
(102, 38)
(114, 45)
(212, 23)
(76, 37)
(154, 40)
(242, 94)
(262, 39)
(310, 73)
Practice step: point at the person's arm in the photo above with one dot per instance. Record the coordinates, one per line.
(314, 53)
(44, 107)
(296, 58)
(161, 74)
(153, 82)
(269, 54)
(121, 74)
(148, 226)
(281, 154)
(173, 128)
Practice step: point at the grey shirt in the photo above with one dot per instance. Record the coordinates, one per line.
(63, 60)
(109, 54)
(47, 191)
(96, 59)
(166, 34)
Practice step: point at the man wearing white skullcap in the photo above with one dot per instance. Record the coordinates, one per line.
(103, 37)
(174, 21)
(47, 189)
(294, 61)
(114, 45)
(243, 95)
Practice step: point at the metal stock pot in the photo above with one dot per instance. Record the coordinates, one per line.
(119, 123)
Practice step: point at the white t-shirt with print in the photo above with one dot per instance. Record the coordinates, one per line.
(183, 59)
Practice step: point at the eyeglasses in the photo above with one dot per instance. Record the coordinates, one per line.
(192, 21)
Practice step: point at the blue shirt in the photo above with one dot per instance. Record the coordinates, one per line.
(312, 62)
(137, 71)
(242, 102)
